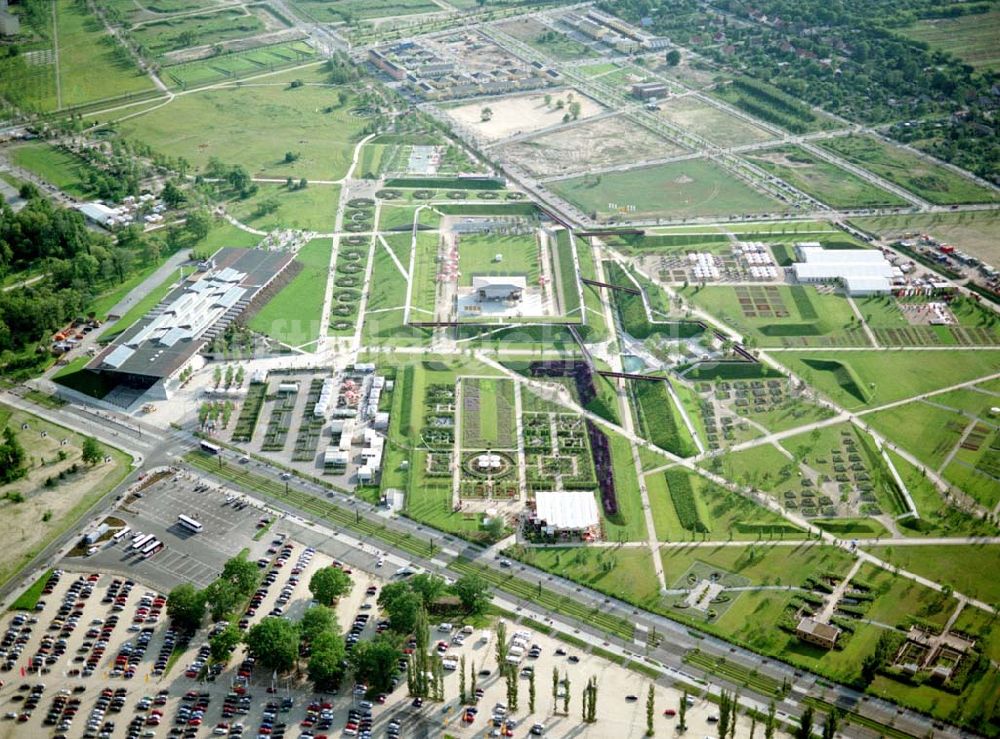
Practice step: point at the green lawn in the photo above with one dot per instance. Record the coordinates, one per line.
(27, 600)
(230, 66)
(352, 10)
(255, 127)
(690, 188)
(926, 179)
(311, 209)
(630, 523)
(964, 567)
(56, 166)
(518, 257)
(552, 43)
(293, 316)
(824, 181)
(972, 37)
(908, 426)
(890, 375)
(91, 65)
(424, 277)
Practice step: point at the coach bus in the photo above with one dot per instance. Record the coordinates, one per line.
(189, 523)
(122, 533)
(151, 545)
(142, 541)
(207, 446)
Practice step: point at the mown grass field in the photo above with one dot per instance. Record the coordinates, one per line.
(309, 209)
(227, 67)
(890, 375)
(963, 567)
(55, 166)
(185, 31)
(924, 178)
(91, 65)
(519, 257)
(712, 123)
(824, 181)
(690, 188)
(255, 127)
(908, 425)
(293, 316)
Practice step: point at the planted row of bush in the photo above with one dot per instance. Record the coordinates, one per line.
(600, 449)
(682, 495)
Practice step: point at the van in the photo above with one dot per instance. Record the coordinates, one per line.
(445, 628)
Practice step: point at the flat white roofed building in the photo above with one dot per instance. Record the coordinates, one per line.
(567, 511)
(860, 271)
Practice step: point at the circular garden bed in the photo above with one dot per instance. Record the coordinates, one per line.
(470, 466)
(388, 194)
(347, 281)
(351, 255)
(366, 203)
(487, 195)
(348, 296)
(341, 325)
(342, 310)
(515, 196)
(423, 194)
(456, 194)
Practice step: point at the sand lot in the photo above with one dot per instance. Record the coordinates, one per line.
(604, 143)
(519, 114)
(617, 716)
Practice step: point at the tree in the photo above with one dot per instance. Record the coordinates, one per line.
(574, 110)
(428, 586)
(223, 597)
(531, 692)
(770, 721)
(462, 697)
(316, 621)
(495, 528)
(326, 660)
(290, 156)
(274, 643)
(223, 643)
(555, 687)
(91, 452)
(486, 114)
(566, 694)
(401, 604)
(682, 709)
(725, 713)
(242, 573)
(511, 676)
(650, 709)
(474, 592)
(239, 180)
(329, 583)
(198, 224)
(673, 57)
(501, 645)
(12, 456)
(374, 662)
(172, 195)
(804, 730)
(830, 726)
(548, 100)
(186, 608)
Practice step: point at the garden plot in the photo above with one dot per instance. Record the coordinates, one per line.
(710, 122)
(703, 590)
(520, 114)
(603, 143)
(557, 453)
(487, 413)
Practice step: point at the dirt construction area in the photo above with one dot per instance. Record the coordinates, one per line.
(607, 142)
(520, 114)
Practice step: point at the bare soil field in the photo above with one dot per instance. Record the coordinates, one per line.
(604, 143)
(519, 113)
(713, 124)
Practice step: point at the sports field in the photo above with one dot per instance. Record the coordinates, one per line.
(921, 176)
(255, 126)
(56, 166)
(824, 181)
(230, 66)
(293, 315)
(972, 38)
(691, 188)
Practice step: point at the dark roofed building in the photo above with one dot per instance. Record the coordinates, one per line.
(154, 350)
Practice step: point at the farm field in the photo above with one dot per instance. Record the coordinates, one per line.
(922, 177)
(712, 123)
(34, 512)
(972, 38)
(275, 206)
(973, 232)
(293, 316)
(219, 122)
(824, 181)
(690, 188)
(913, 372)
(91, 65)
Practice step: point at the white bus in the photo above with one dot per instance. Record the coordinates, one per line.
(207, 446)
(141, 541)
(147, 555)
(151, 545)
(122, 533)
(189, 523)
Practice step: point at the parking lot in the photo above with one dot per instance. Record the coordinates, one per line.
(186, 556)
